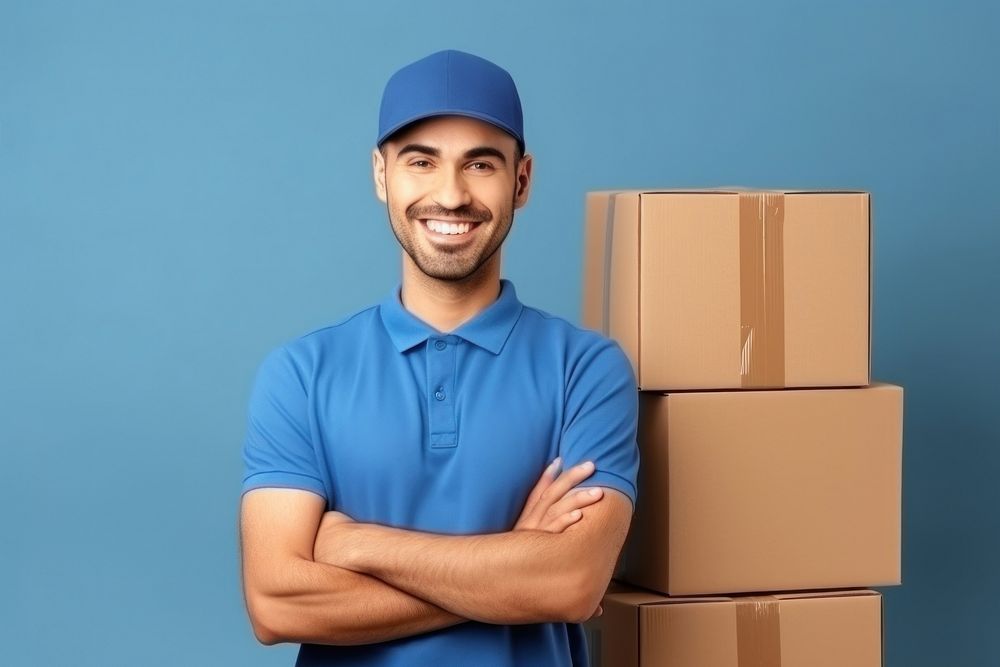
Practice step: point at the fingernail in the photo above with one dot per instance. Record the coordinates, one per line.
(594, 492)
(555, 464)
(587, 465)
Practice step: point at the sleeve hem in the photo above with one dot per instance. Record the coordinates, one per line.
(284, 480)
(611, 480)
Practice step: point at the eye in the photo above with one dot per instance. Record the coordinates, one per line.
(420, 163)
(480, 166)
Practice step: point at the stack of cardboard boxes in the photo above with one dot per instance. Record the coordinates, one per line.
(770, 473)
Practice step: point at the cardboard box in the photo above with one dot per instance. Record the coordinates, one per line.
(730, 289)
(829, 629)
(767, 491)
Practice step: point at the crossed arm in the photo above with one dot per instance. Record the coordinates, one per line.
(317, 577)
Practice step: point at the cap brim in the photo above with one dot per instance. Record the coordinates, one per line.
(486, 118)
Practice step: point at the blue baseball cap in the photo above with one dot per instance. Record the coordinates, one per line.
(451, 83)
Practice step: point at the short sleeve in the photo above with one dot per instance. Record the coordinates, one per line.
(601, 418)
(278, 450)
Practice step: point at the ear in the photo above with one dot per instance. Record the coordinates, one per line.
(523, 188)
(378, 174)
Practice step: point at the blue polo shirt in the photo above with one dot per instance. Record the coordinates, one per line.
(393, 422)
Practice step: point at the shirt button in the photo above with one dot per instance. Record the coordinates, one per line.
(440, 344)
(439, 394)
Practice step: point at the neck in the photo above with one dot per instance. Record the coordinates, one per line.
(447, 304)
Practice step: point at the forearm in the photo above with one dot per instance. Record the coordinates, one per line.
(515, 577)
(322, 604)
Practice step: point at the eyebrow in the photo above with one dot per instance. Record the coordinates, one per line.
(485, 151)
(472, 153)
(418, 148)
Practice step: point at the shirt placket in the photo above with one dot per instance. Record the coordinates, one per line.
(441, 352)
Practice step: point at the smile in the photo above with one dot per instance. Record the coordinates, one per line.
(450, 228)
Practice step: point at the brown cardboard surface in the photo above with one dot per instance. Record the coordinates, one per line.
(691, 275)
(818, 284)
(744, 491)
(859, 617)
(593, 258)
(686, 281)
(621, 305)
(824, 629)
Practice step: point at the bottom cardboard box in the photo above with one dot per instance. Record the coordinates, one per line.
(817, 629)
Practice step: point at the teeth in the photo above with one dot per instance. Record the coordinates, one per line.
(442, 227)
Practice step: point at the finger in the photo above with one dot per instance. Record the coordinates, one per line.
(548, 476)
(575, 499)
(567, 480)
(531, 512)
(541, 511)
(562, 522)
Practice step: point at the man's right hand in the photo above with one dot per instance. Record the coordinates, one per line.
(555, 504)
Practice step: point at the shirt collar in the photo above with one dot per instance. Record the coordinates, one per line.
(488, 330)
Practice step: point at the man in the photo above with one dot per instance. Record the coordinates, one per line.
(403, 503)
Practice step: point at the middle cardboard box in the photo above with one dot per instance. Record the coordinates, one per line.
(777, 490)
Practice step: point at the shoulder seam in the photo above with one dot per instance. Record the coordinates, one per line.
(559, 318)
(341, 323)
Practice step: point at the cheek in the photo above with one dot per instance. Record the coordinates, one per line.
(399, 199)
(498, 197)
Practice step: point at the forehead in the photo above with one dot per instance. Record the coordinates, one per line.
(453, 134)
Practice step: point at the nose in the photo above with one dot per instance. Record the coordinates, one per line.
(451, 190)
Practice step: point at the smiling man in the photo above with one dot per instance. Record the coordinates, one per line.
(447, 477)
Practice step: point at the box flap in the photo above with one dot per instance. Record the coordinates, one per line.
(856, 592)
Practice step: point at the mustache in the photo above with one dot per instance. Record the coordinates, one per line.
(469, 213)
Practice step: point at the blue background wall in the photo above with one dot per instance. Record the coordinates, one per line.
(184, 187)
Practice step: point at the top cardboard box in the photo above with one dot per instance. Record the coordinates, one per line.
(732, 289)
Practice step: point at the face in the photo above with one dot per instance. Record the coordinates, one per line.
(451, 185)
